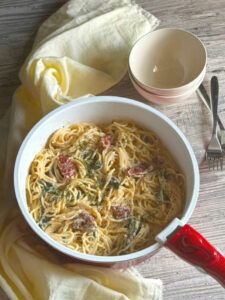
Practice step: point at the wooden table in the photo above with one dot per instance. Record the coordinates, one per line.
(19, 21)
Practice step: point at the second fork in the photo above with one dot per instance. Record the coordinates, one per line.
(214, 153)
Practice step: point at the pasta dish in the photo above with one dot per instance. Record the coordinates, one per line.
(104, 190)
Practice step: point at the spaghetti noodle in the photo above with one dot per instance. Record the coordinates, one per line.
(104, 190)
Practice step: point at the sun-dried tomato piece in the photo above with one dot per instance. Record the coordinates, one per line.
(120, 211)
(67, 167)
(84, 222)
(106, 141)
(139, 170)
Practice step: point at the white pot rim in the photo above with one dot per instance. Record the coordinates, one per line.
(87, 257)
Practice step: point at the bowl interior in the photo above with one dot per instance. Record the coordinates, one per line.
(167, 58)
(100, 110)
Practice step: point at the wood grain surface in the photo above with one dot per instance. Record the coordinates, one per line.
(19, 21)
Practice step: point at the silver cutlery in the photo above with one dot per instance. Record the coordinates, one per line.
(214, 152)
(201, 91)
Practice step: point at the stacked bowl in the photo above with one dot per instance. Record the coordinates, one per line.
(167, 65)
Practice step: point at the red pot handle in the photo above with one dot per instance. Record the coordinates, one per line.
(195, 249)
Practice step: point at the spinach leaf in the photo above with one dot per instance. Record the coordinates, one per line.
(100, 181)
(41, 205)
(94, 233)
(91, 159)
(167, 174)
(161, 196)
(43, 223)
(133, 228)
(114, 183)
(95, 164)
(79, 193)
(101, 198)
(87, 154)
(48, 188)
(146, 139)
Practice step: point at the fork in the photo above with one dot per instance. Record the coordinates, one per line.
(214, 153)
(201, 91)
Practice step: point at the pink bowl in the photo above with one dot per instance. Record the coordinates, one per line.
(168, 62)
(158, 99)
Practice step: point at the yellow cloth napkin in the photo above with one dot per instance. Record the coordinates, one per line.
(82, 49)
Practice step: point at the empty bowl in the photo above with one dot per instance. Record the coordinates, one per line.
(168, 62)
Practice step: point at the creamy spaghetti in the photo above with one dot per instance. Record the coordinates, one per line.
(104, 190)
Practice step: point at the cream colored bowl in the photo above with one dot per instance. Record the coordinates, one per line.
(168, 62)
(158, 99)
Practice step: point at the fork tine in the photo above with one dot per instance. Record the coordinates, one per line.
(214, 159)
(214, 162)
(209, 161)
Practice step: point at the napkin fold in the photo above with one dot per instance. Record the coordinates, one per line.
(81, 49)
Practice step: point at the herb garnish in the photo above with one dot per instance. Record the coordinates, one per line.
(167, 174)
(43, 223)
(48, 187)
(95, 164)
(133, 228)
(146, 139)
(87, 154)
(91, 160)
(114, 183)
(161, 196)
